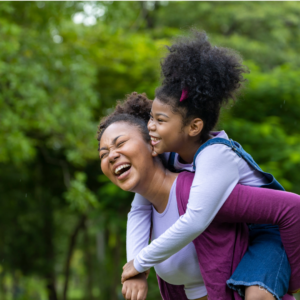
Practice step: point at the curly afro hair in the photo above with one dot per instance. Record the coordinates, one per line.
(134, 110)
(211, 75)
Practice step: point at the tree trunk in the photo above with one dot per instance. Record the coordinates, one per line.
(116, 269)
(88, 264)
(80, 224)
(51, 288)
(148, 14)
(48, 229)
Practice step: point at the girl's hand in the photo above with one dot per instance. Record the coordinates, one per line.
(135, 288)
(128, 271)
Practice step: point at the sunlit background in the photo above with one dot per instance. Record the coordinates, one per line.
(63, 65)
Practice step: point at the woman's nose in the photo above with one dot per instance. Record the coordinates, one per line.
(113, 155)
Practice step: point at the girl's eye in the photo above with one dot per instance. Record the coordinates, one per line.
(160, 120)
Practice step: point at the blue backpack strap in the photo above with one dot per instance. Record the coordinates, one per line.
(230, 143)
(171, 162)
(238, 149)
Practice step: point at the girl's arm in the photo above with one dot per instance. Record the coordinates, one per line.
(138, 226)
(216, 176)
(264, 206)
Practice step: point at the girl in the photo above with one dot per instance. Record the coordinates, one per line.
(197, 80)
(125, 154)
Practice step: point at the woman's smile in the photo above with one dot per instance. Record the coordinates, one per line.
(122, 170)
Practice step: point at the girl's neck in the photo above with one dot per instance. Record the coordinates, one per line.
(157, 187)
(188, 151)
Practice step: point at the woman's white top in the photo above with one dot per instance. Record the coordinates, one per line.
(182, 267)
(218, 170)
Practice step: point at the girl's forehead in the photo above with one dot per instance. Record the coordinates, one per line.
(159, 105)
(161, 108)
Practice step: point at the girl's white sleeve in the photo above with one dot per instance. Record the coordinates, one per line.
(138, 226)
(216, 176)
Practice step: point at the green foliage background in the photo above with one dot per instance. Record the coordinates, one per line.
(62, 224)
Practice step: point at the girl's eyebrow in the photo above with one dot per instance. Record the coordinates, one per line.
(112, 143)
(161, 114)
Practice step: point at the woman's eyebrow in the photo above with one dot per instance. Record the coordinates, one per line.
(112, 143)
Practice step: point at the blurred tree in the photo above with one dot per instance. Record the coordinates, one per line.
(46, 118)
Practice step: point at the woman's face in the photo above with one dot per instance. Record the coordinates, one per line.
(165, 129)
(125, 156)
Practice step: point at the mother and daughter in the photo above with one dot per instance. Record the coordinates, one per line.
(220, 227)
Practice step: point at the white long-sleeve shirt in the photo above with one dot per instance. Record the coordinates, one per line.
(218, 170)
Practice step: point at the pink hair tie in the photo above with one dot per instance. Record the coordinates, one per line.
(184, 95)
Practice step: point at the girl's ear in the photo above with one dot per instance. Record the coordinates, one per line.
(195, 127)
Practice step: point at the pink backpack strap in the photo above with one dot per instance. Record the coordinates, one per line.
(171, 292)
(183, 188)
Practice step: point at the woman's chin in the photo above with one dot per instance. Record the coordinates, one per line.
(127, 186)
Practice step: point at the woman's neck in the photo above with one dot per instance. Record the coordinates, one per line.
(157, 187)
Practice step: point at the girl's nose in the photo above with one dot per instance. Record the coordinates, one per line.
(151, 125)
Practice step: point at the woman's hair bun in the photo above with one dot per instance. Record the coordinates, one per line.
(135, 104)
(134, 110)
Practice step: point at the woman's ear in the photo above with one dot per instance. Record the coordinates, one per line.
(196, 126)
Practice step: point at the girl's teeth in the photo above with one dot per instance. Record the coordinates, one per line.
(154, 139)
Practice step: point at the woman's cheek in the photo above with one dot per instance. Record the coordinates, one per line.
(104, 168)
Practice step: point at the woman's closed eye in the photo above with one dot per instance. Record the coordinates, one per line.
(103, 155)
(120, 144)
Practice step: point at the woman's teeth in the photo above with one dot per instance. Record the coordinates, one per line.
(118, 169)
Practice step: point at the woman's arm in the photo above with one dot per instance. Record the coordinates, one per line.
(138, 226)
(216, 176)
(264, 206)
(139, 223)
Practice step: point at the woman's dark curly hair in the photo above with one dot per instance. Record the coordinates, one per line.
(211, 75)
(134, 110)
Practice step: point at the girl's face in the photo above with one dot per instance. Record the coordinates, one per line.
(165, 129)
(125, 156)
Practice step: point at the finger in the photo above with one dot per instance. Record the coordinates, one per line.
(142, 294)
(134, 293)
(124, 291)
(125, 276)
(125, 266)
(128, 294)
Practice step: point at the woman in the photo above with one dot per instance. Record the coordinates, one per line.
(126, 152)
